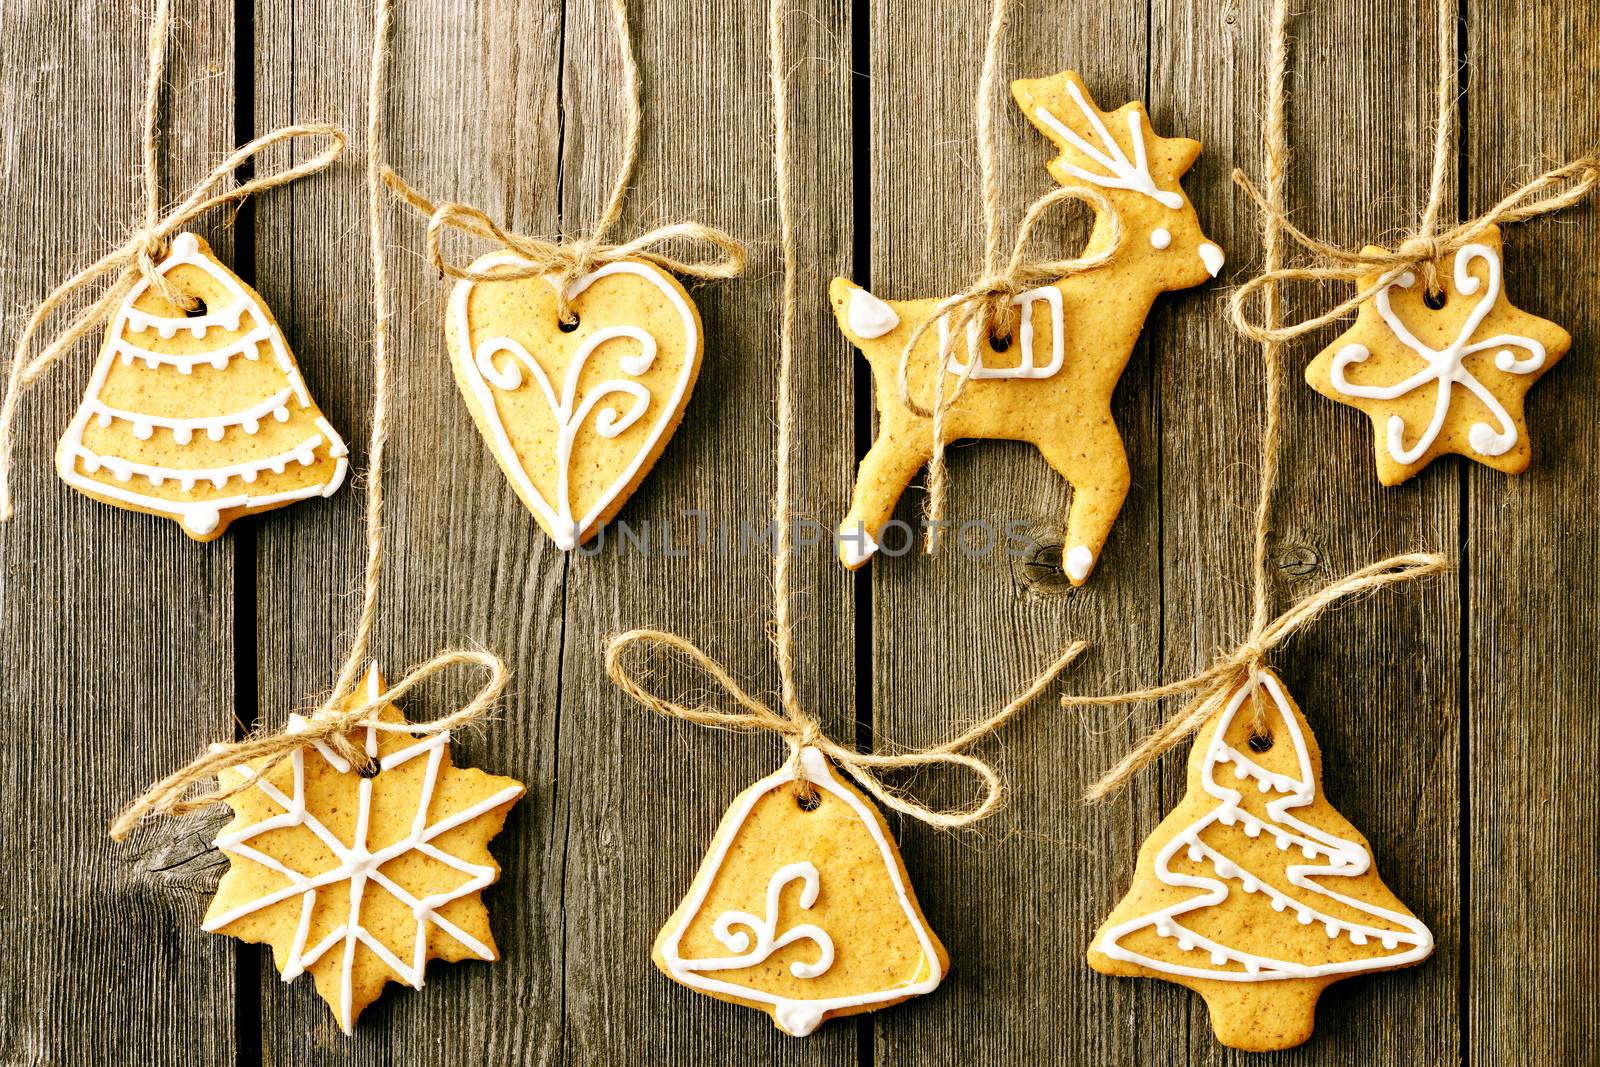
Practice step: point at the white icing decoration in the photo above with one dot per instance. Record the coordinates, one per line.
(1212, 257)
(1078, 562)
(182, 429)
(1025, 368)
(797, 1017)
(1446, 366)
(856, 546)
(359, 866)
(1161, 238)
(1344, 859)
(201, 517)
(1122, 173)
(767, 940)
(479, 372)
(870, 317)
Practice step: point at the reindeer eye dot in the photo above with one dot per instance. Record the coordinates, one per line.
(1161, 237)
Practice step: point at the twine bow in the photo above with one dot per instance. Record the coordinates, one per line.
(1212, 686)
(566, 259)
(331, 724)
(1419, 251)
(799, 730)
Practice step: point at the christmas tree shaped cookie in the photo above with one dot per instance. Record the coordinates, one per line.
(802, 907)
(575, 412)
(1437, 378)
(362, 880)
(1254, 891)
(201, 417)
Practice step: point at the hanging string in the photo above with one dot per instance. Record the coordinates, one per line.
(339, 715)
(1423, 248)
(566, 259)
(117, 272)
(791, 721)
(1209, 689)
(986, 304)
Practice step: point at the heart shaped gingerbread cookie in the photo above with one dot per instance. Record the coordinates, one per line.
(576, 414)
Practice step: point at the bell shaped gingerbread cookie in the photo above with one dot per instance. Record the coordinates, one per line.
(198, 416)
(802, 907)
(1254, 892)
(577, 412)
(362, 880)
(1050, 382)
(1437, 378)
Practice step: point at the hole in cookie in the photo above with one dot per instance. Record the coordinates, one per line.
(808, 797)
(1435, 299)
(566, 325)
(1260, 742)
(197, 310)
(999, 344)
(369, 769)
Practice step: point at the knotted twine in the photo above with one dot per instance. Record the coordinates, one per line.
(1210, 688)
(118, 271)
(566, 259)
(790, 720)
(987, 303)
(339, 715)
(1422, 249)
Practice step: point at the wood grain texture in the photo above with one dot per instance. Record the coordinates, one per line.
(1377, 678)
(1455, 716)
(116, 630)
(954, 635)
(1530, 580)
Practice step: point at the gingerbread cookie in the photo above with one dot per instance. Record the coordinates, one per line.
(362, 881)
(1050, 384)
(198, 416)
(802, 907)
(575, 413)
(1254, 891)
(1445, 378)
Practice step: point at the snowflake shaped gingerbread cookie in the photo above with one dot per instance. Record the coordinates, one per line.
(361, 881)
(1446, 379)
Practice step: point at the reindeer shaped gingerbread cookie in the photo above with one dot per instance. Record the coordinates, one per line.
(1051, 384)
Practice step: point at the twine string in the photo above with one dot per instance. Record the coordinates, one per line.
(714, 253)
(986, 304)
(790, 720)
(1423, 248)
(117, 272)
(340, 714)
(799, 730)
(1210, 688)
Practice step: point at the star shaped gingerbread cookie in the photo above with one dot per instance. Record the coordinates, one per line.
(1451, 378)
(362, 880)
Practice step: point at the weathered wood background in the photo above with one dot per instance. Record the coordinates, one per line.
(1456, 717)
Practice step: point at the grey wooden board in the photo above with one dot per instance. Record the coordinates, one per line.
(117, 646)
(1455, 716)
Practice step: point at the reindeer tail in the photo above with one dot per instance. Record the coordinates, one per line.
(863, 318)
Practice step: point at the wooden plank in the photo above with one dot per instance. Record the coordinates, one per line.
(1532, 745)
(472, 116)
(643, 796)
(1017, 900)
(116, 630)
(1378, 678)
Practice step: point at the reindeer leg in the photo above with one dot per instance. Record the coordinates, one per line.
(895, 457)
(1097, 468)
